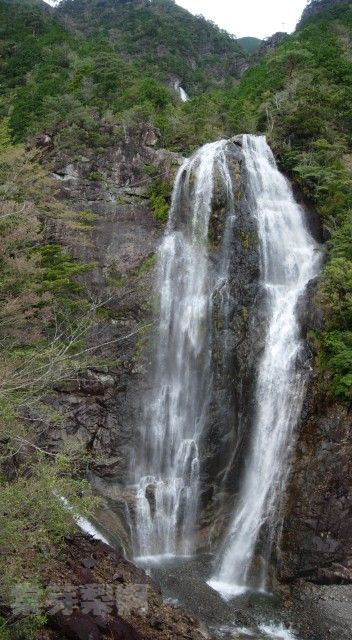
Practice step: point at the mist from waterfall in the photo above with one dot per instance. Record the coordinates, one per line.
(167, 473)
(289, 260)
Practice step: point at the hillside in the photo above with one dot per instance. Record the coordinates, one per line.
(53, 72)
(165, 39)
(249, 44)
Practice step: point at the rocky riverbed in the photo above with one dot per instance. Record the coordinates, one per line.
(304, 611)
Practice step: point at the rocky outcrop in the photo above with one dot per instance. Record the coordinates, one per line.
(271, 43)
(102, 404)
(95, 593)
(316, 6)
(316, 540)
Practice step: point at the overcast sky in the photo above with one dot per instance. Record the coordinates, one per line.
(260, 18)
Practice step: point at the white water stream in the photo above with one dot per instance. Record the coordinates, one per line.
(167, 474)
(289, 259)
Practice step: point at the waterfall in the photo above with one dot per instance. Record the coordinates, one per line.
(289, 259)
(180, 91)
(167, 474)
(183, 95)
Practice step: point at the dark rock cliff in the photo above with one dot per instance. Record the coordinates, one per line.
(316, 541)
(96, 593)
(236, 345)
(316, 537)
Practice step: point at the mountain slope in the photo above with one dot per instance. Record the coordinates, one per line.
(110, 59)
(249, 44)
(163, 37)
(53, 78)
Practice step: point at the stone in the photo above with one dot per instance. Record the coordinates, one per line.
(89, 563)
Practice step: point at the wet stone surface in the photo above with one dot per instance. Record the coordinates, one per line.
(303, 612)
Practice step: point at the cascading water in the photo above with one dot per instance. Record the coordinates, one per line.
(168, 472)
(289, 259)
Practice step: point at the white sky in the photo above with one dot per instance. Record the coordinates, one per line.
(260, 18)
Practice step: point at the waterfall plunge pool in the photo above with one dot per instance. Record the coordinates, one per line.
(183, 581)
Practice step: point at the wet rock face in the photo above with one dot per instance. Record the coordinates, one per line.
(237, 335)
(316, 537)
(316, 541)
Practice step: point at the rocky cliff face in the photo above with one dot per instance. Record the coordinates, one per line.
(316, 537)
(236, 345)
(104, 404)
(271, 43)
(316, 542)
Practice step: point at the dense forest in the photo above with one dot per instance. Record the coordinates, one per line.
(75, 81)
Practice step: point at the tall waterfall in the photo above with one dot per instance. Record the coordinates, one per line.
(168, 471)
(289, 259)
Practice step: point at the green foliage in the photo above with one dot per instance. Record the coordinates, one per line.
(5, 134)
(164, 40)
(4, 631)
(29, 627)
(160, 196)
(58, 269)
(42, 332)
(32, 514)
(51, 76)
(337, 360)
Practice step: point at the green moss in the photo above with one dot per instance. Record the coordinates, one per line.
(59, 269)
(142, 341)
(248, 240)
(95, 176)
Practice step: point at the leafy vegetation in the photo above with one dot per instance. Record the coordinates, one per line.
(164, 39)
(42, 335)
(159, 194)
(51, 75)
